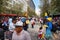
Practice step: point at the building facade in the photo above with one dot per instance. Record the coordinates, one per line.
(31, 4)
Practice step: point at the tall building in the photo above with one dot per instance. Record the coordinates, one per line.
(31, 4)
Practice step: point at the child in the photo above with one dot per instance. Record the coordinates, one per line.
(40, 33)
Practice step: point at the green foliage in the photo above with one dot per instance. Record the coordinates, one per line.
(58, 5)
(16, 9)
(44, 8)
(52, 8)
(31, 12)
(55, 7)
(1, 5)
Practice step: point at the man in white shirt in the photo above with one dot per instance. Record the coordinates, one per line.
(19, 33)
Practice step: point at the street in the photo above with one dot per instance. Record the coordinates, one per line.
(19, 16)
(34, 32)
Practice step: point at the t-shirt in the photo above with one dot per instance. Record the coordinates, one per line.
(49, 24)
(23, 35)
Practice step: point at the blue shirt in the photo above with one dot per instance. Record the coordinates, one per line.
(49, 24)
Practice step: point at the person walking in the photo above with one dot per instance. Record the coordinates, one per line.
(32, 23)
(19, 33)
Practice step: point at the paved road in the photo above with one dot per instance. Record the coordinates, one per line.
(34, 32)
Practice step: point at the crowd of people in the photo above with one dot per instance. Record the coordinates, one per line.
(15, 28)
(50, 28)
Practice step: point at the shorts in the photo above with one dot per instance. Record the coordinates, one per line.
(39, 35)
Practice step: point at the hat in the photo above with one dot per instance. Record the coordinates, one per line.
(19, 23)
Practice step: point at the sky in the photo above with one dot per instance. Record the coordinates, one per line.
(37, 3)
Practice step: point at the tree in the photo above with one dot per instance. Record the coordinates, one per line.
(17, 8)
(31, 12)
(45, 6)
(52, 8)
(1, 4)
(6, 7)
(57, 5)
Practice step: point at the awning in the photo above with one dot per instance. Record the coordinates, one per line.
(8, 14)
